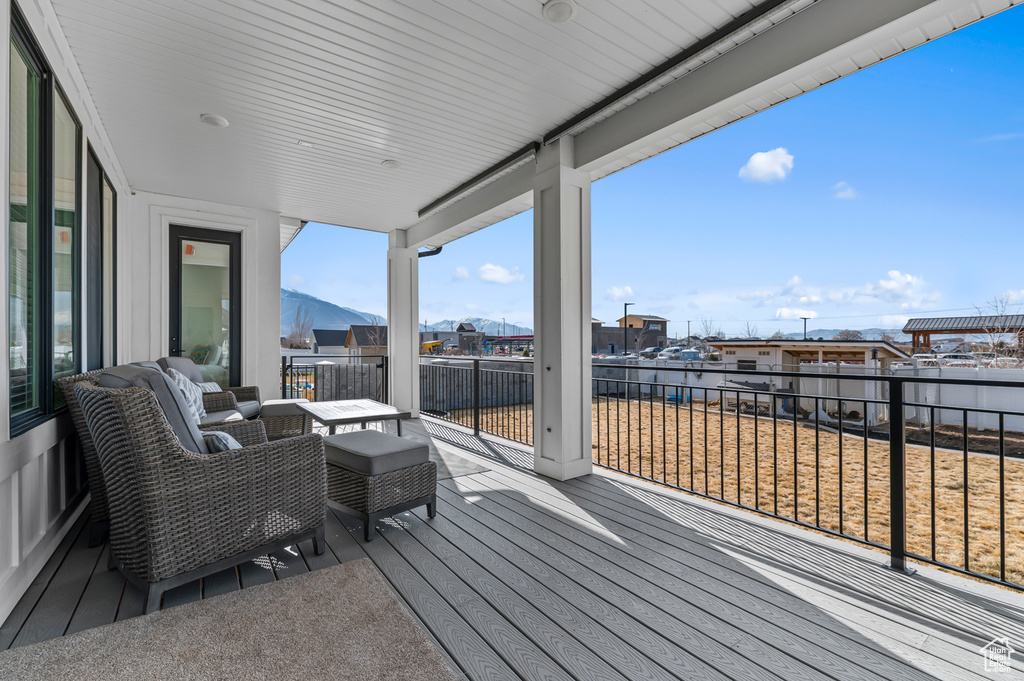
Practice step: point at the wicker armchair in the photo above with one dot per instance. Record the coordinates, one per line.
(246, 432)
(175, 515)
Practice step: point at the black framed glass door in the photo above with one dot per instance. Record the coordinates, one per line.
(205, 304)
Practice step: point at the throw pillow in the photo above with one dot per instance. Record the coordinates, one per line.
(199, 353)
(193, 395)
(218, 441)
(211, 387)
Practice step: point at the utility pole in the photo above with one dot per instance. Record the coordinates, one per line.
(625, 326)
(502, 327)
(805, 326)
(688, 341)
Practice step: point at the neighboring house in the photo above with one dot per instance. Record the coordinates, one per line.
(367, 342)
(328, 341)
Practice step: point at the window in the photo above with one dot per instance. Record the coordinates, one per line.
(746, 364)
(43, 322)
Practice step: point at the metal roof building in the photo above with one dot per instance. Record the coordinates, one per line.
(921, 329)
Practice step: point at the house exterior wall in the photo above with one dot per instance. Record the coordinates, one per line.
(42, 482)
(147, 254)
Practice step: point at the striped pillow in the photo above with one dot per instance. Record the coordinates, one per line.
(193, 395)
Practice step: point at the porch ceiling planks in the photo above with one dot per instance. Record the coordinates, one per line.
(447, 88)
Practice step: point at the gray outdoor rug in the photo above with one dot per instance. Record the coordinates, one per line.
(342, 622)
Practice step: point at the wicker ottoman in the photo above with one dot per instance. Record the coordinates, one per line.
(373, 475)
(283, 419)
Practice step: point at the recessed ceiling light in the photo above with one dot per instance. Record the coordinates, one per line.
(391, 164)
(557, 11)
(303, 143)
(214, 120)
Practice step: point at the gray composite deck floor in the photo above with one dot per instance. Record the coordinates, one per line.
(602, 577)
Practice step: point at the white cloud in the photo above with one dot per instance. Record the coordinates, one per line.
(616, 293)
(461, 274)
(296, 280)
(1015, 297)
(768, 166)
(843, 191)
(792, 313)
(499, 275)
(893, 321)
(1004, 137)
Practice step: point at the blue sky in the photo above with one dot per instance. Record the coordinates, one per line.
(895, 192)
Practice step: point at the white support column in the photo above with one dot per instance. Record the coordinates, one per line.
(403, 324)
(561, 281)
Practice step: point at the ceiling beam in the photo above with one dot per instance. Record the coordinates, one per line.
(506, 196)
(798, 46)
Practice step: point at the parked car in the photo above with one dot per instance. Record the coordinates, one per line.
(680, 353)
(650, 353)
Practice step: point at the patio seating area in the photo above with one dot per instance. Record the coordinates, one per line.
(601, 577)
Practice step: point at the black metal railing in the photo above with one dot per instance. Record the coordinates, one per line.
(319, 378)
(897, 460)
(488, 395)
(928, 487)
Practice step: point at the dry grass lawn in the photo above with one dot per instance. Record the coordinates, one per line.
(751, 460)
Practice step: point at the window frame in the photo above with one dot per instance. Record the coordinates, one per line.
(43, 376)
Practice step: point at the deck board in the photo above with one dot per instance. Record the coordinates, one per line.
(777, 621)
(52, 613)
(101, 598)
(12, 625)
(601, 577)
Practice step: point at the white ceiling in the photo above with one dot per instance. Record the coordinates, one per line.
(446, 87)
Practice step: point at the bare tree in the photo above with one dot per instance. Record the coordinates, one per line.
(377, 334)
(849, 335)
(709, 327)
(750, 331)
(301, 328)
(778, 335)
(995, 317)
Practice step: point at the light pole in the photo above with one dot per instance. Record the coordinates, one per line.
(688, 342)
(625, 326)
(502, 327)
(805, 326)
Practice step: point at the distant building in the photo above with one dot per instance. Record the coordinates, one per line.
(784, 355)
(641, 331)
(328, 341)
(367, 342)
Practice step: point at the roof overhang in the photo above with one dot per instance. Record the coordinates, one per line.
(460, 93)
(832, 348)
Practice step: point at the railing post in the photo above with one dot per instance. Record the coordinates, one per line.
(897, 479)
(476, 397)
(284, 374)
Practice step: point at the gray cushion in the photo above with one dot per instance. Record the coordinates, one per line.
(182, 364)
(218, 416)
(149, 365)
(371, 452)
(274, 408)
(219, 441)
(249, 408)
(171, 401)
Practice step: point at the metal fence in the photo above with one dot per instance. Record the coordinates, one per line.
(488, 395)
(883, 469)
(319, 378)
(885, 459)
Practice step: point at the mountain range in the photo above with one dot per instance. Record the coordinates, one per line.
(327, 315)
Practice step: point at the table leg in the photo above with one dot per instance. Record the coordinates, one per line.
(362, 425)
(332, 429)
(399, 427)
